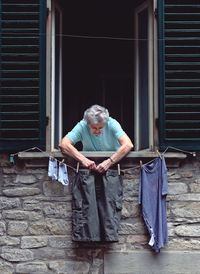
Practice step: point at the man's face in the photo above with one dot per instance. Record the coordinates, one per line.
(96, 129)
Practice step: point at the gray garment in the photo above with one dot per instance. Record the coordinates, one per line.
(152, 197)
(96, 206)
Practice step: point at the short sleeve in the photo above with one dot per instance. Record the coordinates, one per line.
(116, 128)
(75, 134)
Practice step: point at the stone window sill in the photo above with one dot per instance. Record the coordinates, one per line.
(131, 159)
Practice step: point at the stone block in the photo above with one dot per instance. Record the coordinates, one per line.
(188, 230)
(185, 209)
(9, 203)
(31, 267)
(6, 268)
(7, 240)
(16, 254)
(54, 188)
(16, 228)
(50, 227)
(33, 241)
(25, 179)
(60, 241)
(57, 210)
(31, 205)
(2, 228)
(21, 191)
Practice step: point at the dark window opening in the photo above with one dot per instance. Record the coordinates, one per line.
(98, 66)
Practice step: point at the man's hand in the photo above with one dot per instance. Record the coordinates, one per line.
(88, 164)
(104, 166)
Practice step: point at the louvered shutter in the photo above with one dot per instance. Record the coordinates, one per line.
(179, 68)
(22, 74)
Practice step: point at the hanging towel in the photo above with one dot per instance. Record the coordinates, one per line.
(63, 174)
(53, 168)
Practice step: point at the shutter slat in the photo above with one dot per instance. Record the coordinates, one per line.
(179, 45)
(22, 74)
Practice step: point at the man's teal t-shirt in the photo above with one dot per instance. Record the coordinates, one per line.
(106, 141)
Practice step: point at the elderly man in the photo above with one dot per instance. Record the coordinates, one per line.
(97, 132)
(97, 189)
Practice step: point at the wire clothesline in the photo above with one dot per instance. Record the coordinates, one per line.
(160, 154)
(36, 148)
(24, 35)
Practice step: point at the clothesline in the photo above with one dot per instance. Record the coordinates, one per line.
(160, 154)
(92, 37)
(36, 148)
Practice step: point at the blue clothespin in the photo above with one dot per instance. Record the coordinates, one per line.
(12, 159)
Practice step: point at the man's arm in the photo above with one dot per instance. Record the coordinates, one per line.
(126, 146)
(68, 148)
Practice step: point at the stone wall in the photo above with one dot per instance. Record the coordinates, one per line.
(35, 225)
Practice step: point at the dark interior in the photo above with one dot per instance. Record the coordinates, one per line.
(98, 59)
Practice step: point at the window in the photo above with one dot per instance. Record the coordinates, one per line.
(107, 59)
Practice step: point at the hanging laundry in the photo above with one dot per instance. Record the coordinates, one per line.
(96, 206)
(53, 168)
(152, 197)
(63, 174)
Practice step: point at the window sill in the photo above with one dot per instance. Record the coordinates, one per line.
(133, 158)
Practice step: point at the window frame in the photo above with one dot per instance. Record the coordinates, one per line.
(152, 103)
(151, 88)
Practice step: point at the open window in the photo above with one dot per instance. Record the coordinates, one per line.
(103, 55)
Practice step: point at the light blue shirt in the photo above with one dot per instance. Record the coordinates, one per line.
(106, 141)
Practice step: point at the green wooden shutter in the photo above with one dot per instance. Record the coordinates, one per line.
(179, 73)
(22, 74)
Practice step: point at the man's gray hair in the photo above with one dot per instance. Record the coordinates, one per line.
(96, 114)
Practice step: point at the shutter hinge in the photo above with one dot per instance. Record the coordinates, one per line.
(47, 121)
(157, 123)
(156, 13)
(47, 12)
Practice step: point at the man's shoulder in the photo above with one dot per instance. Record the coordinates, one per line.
(80, 126)
(112, 122)
(82, 123)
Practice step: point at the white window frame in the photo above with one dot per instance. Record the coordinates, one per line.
(55, 6)
(152, 76)
(147, 4)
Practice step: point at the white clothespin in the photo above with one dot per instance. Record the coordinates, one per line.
(77, 167)
(159, 154)
(118, 168)
(53, 168)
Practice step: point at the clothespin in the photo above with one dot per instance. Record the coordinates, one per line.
(118, 168)
(51, 158)
(140, 163)
(77, 167)
(11, 158)
(158, 154)
(62, 162)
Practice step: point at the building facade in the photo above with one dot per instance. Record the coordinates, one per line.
(141, 60)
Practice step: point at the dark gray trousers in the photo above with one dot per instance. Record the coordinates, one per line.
(96, 206)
